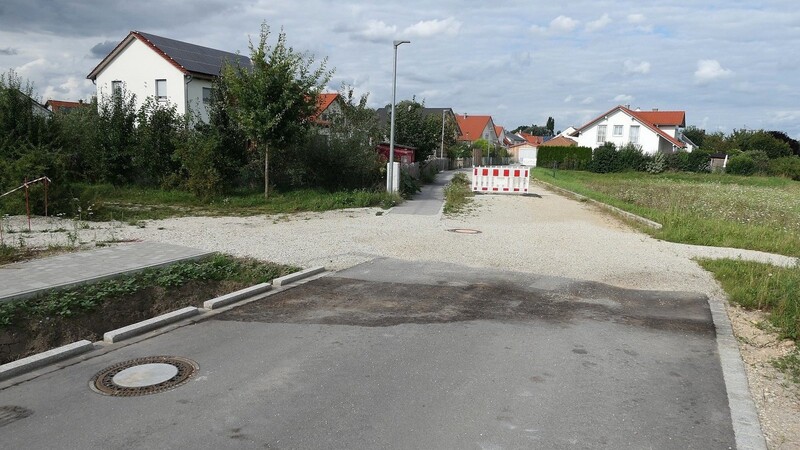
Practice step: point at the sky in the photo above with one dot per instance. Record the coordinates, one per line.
(729, 64)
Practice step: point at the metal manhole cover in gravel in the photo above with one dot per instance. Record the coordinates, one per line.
(10, 414)
(464, 231)
(143, 376)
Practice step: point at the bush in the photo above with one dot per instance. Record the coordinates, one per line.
(678, 161)
(760, 160)
(631, 157)
(408, 184)
(568, 158)
(657, 164)
(741, 165)
(605, 159)
(699, 161)
(788, 166)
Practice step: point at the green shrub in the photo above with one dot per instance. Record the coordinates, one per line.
(678, 161)
(631, 157)
(741, 165)
(605, 159)
(567, 158)
(657, 164)
(699, 161)
(408, 184)
(788, 166)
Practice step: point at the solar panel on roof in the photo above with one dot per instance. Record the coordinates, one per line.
(196, 58)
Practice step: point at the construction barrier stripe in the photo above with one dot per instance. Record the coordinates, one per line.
(500, 179)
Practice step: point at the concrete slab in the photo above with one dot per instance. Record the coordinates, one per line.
(233, 297)
(149, 324)
(292, 277)
(31, 278)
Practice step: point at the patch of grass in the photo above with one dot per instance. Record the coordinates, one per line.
(789, 365)
(758, 213)
(69, 302)
(769, 288)
(11, 254)
(136, 204)
(457, 194)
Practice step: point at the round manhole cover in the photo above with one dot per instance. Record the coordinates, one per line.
(464, 231)
(143, 376)
(10, 414)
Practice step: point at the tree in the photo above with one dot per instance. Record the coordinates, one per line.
(535, 130)
(696, 135)
(551, 125)
(781, 136)
(274, 100)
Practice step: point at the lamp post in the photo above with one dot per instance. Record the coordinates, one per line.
(390, 171)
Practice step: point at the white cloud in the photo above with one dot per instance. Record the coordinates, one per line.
(568, 99)
(636, 18)
(598, 24)
(587, 101)
(427, 28)
(624, 98)
(377, 30)
(632, 67)
(709, 70)
(561, 24)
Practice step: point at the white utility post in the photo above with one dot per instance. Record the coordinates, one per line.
(390, 187)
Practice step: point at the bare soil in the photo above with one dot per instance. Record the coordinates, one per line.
(38, 336)
(777, 398)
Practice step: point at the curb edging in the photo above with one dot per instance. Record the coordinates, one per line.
(149, 324)
(43, 359)
(234, 297)
(292, 277)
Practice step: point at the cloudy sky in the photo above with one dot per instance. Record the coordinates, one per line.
(727, 63)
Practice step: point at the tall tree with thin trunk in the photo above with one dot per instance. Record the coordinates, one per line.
(274, 100)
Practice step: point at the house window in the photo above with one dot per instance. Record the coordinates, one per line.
(601, 134)
(634, 134)
(207, 96)
(618, 130)
(161, 90)
(116, 87)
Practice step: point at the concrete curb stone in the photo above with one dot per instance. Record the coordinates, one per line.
(45, 358)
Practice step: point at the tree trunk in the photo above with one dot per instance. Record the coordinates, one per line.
(266, 171)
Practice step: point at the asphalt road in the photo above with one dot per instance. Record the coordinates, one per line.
(392, 354)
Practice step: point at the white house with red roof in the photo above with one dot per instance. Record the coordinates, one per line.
(170, 71)
(653, 131)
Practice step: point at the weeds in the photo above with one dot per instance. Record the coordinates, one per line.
(789, 365)
(457, 194)
(70, 302)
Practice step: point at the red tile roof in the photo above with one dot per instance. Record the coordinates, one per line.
(58, 105)
(498, 130)
(560, 141)
(535, 140)
(324, 101)
(472, 126)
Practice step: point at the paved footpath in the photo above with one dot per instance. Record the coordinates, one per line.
(29, 278)
(428, 202)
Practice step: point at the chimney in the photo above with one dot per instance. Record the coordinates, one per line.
(655, 109)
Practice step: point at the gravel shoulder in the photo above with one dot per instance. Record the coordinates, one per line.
(544, 234)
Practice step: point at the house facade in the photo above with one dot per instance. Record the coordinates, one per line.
(653, 131)
(473, 128)
(170, 71)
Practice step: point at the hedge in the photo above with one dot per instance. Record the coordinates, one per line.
(566, 157)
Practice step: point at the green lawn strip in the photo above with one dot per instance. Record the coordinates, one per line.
(758, 213)
(769, 288)
(133, 204)
(457, 194)
(754, 285)
(70, 302)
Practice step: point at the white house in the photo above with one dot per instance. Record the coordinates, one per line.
(653, 131)
(173, 72)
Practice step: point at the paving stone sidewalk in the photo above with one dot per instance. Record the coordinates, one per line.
(29, 278)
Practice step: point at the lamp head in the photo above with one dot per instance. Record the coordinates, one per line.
(398, 43)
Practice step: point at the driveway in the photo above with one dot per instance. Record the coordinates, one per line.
(554, 326)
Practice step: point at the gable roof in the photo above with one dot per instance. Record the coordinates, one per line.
(650, 119)
(324, 101)
(498, 130)
(560, 141)
(189, 58)
(535, 140)
(472, 126)
(62, 106)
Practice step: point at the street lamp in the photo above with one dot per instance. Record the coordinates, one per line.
(390, 171)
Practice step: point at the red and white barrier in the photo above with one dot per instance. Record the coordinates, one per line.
(504, 180)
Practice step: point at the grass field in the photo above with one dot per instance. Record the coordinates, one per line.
(758, 213)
